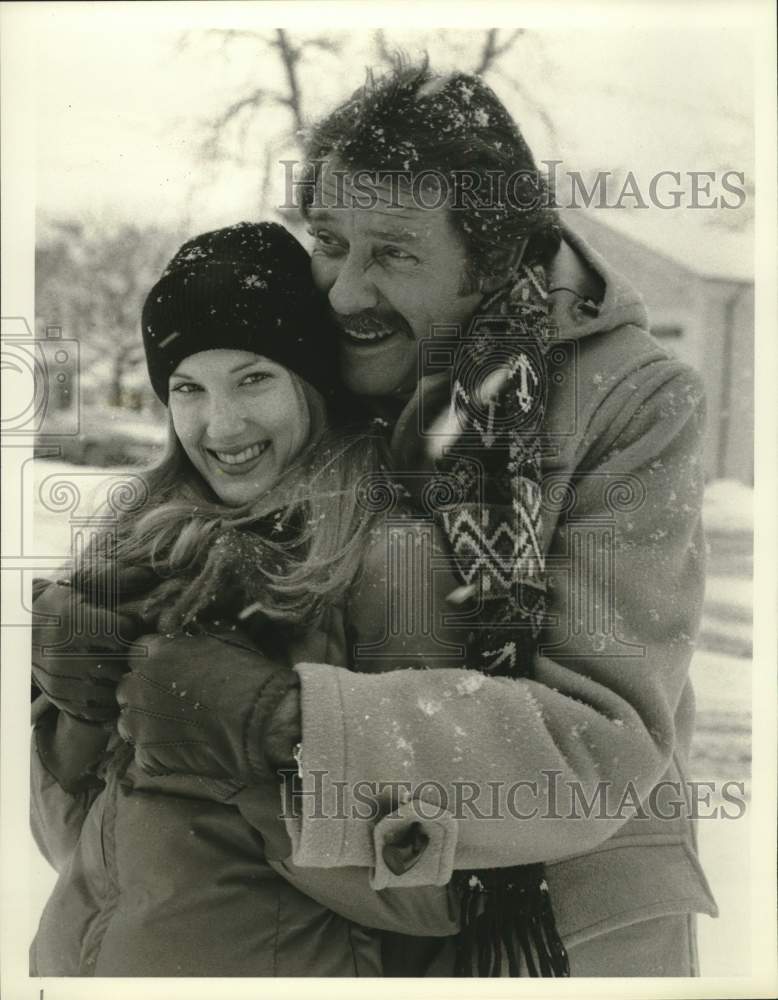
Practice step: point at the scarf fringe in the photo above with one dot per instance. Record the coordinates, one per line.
(506, 916)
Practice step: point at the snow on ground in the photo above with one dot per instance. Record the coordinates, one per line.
(51, 528)
(721, 682)
(721, 749)
(735, 592)
(725, 942)
(728, 507)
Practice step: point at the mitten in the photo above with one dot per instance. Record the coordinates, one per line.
(201, 704)
(78, 658)
(69, 749)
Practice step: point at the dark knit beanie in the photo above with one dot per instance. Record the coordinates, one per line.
(247, 287)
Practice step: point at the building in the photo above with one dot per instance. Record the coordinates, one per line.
(698, 286)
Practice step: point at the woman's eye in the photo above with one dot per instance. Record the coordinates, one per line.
(254, 378)
(325, 241)
(186, 387)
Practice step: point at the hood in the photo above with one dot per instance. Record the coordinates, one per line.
(578, 268)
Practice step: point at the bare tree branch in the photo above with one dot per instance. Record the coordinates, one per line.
(267, 166)
(216, 129)
(235, 34)
(252, 100)
(290, 56)
(493, 49)
(330, 45)
(537, 106)
(509, 42)
(101, 310)
(290, 51)
(382, 47)
(243, 135)
(487, 53)
(184, 41)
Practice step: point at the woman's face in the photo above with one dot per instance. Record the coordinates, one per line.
(240, 418)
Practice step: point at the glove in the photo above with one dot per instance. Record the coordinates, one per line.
(69, 749)
(200, 704)
(284, 731)
(78, 660)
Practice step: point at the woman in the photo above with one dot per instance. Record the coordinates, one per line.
(251, 540)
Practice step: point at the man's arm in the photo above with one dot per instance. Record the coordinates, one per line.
(429, 911)
(601, 716)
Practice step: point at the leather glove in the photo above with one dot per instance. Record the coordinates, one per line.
(69, 749)
(201, 704)
(78, 659)
(284, 731)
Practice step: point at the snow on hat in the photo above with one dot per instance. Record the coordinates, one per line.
(247, 287)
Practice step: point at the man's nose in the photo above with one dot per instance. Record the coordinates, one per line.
(353, 291)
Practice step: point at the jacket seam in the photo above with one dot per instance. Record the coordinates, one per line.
(628, 407)
(615, 843)
(343, 743)
(352, 949)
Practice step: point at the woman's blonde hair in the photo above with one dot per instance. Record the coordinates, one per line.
(284, 557)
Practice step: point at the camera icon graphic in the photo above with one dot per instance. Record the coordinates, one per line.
(40, 381)
(496, 381)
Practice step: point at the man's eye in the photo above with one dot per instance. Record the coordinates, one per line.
(395, 253)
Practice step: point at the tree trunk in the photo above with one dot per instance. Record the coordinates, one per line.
(115, 385)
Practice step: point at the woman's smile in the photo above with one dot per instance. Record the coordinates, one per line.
(239, 461)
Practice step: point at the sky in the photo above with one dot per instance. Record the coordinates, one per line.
(120, 103)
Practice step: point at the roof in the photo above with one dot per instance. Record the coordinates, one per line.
(702, 250)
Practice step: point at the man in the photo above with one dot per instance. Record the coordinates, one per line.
(395, 269)
(575, 445)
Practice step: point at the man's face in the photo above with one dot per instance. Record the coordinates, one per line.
(391, 272)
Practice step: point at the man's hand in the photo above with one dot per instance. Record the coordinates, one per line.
(201, 704)
(78, 660)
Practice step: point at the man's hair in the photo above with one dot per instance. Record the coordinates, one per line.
(411, 120)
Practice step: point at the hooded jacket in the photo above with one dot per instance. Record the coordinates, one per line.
(168, 875)
(583, 766)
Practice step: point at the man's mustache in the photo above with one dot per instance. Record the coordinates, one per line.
(370, 321)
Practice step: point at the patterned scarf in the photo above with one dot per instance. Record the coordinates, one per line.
(492, 450)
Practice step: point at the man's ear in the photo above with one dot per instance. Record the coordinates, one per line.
(502, 267)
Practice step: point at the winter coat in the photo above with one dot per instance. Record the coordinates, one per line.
(607, 717)
(169, 876)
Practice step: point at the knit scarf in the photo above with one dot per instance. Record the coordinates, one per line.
(492, 451)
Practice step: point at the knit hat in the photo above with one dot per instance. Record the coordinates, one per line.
(247, 287)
